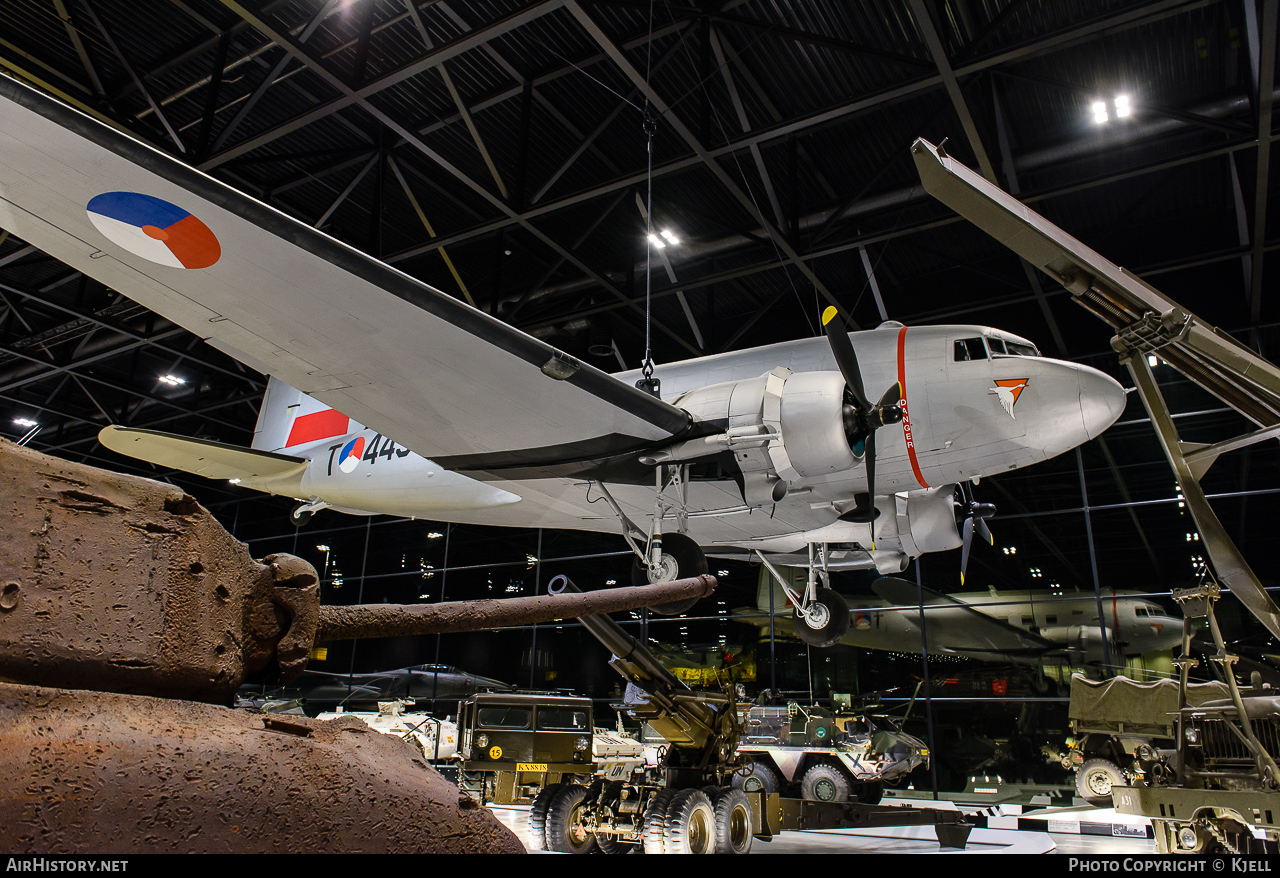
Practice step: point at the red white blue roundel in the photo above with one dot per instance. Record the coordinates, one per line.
(349, 457)
(154, 229)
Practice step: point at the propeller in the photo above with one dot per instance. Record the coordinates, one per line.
(861, 417)
(975, 519)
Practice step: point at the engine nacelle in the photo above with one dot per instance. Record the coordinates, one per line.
(800, 411)
(927, 521)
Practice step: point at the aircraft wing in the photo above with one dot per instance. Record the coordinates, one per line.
(979, 632)
(442, 378)
(1139, 313)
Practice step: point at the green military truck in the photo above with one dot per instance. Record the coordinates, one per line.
(1117, 722)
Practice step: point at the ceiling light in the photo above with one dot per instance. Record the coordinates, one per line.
(234, 481)
(657, 242)
(172, 380)
(670, 236)
(1099, 111)
(1153, 360)
(23, 422)
(1122, 106)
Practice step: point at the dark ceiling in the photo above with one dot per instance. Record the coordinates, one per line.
(498, 151)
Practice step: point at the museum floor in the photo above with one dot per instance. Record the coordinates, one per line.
(1074, 831)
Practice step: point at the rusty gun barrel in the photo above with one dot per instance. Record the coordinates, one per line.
(396, 620)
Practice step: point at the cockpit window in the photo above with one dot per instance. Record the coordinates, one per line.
(1141, 611)
(1022, 350)
(997, 345)
(969, 349)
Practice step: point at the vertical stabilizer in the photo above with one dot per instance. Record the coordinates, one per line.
(289, 419)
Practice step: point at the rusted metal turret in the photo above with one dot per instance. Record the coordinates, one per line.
(123, 605)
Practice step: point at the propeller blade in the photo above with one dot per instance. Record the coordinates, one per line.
(964, 547)
(985, 532)
(871, 481)
(846, 359)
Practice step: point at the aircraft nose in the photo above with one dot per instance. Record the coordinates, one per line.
(1102, 400)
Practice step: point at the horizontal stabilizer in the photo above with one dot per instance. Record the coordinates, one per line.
(213, 460)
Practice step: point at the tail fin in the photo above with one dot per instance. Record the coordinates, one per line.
(289, 419)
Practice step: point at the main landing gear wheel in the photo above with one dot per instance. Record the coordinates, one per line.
(299, 517)
(682, 558)
(1095, 779)
(826, 619)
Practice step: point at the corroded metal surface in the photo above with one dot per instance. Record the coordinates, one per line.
(92, 772)
(393, 620)
(119, 583)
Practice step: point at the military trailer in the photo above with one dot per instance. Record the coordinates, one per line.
(823, 756)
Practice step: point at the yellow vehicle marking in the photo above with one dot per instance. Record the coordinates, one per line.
(531, 766)
(495, 752)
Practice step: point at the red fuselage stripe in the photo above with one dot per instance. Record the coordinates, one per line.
(906, 417)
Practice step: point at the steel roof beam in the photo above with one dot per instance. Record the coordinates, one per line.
(665, 111)
(1266, 86)
(360, 97)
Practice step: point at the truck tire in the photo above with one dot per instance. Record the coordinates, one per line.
(734, 823)
(564, 831)
(1094, 781)
(761, 779)
(870, 793)
(691, 824)
(538, 817)
(655, 823)
(824, 783)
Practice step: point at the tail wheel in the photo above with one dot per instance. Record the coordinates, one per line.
(826, 620)
(1095, 779)
(824, 783)
(691, 824)
(538, 817)
(299, 517)
(655, 823)
(734, 822)
(682, 558)
(564, 830)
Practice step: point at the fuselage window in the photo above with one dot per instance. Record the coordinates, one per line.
(969, 349)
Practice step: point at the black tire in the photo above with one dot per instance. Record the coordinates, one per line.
(655, 823)
(299, 519)
(609, 844)
(869, 793)
(825, 783)
(691, 824)
(1094, 781)
(762, 779)
(689, 560)
(564, 832)
(835, 626)
(734, 822)
(538, 817)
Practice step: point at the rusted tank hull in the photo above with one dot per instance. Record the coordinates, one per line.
(92, 772)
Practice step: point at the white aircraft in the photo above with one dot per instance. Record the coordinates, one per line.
(1023, 626)
(412, 403)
